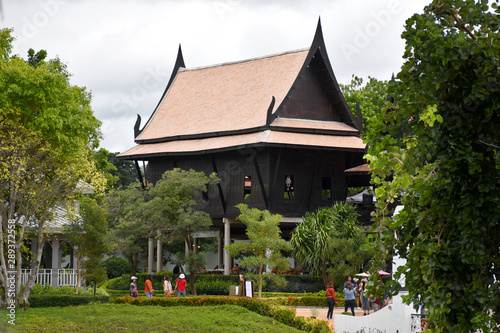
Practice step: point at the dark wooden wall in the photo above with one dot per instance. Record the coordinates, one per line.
(308, 98)
(267, 168)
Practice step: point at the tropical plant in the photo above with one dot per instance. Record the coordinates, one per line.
(314, 240)
(264, 247)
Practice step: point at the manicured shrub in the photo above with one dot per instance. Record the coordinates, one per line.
(297, 284)
(98, 291)
(116, 266)
(49, 300)
(48, 289)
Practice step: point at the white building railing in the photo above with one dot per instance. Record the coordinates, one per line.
(67, 277)
(44, 276)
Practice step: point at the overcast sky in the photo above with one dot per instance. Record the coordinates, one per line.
(123, 51)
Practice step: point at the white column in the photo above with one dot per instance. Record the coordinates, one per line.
(56, 261)
(227, 241)
(151, 249)
(158, 256)
(220, 248)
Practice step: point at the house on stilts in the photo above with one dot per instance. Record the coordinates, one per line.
(275, 129)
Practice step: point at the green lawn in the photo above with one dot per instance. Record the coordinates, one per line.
(128, 318)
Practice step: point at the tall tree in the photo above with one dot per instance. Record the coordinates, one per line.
(47, 132)
(125, 171)
(370, 97)
(436, 150)
(173, 212)
(127, 209)
(314, 240)
(88, 232)
(264, 246)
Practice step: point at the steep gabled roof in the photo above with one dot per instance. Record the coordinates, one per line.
(222, 98)
(289, 98)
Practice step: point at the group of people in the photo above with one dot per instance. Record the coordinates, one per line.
(353, 294)
(179, 289)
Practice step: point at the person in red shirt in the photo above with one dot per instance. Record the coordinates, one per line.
(180, 285)
(331, 299)
(148, 287)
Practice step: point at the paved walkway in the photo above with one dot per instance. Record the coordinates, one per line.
(305, 311)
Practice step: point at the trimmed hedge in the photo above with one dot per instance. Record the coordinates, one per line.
(115, 266)
(262, 307)
(49, 300)
(219, 284)
(305, 301)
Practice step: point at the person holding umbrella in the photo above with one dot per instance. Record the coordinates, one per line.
(365, 298)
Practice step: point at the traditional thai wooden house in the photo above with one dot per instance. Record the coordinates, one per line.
(275, 129)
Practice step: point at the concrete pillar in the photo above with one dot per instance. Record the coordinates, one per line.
(56, 261)
(220, 248)
(227, 241)
(158, 256)
(151, 251)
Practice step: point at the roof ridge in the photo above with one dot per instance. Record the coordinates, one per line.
(183, 69)
(314, 120)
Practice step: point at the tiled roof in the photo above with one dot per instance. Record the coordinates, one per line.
(222, 98)
(314, 126)
(364, 168)
(267, 138)
(61, 218)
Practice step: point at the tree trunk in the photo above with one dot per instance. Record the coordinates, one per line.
(35, 267)
(133, 258)
(191, 283)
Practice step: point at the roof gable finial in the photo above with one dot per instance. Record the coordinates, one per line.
(179, 63)
(318, 35)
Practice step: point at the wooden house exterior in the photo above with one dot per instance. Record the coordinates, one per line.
(275, 129)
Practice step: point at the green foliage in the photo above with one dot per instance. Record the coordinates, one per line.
(124, 170)
(51, 300)
(106, 167)
(435, 150)
(48, 289)
(103, 318)
(370, 97)
(325, 238)
(89, 234)
(36, 59)
(219, 284)
(172, 213)
(214, 286)
(116, 266)
(264, 246)
(47, 134)
(98, 291)
(127, 209)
